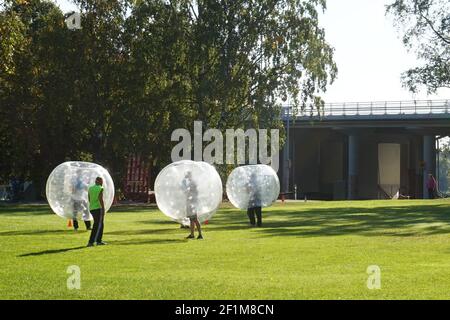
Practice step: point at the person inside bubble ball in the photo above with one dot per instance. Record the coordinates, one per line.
(97, 209)
(191, 192)
(431, 186)
(254, 202)
(79, 201)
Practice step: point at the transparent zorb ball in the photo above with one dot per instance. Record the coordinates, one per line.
(67, 188)
(188, 188)
(253, 186)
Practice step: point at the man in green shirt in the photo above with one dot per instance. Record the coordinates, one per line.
(97, 209)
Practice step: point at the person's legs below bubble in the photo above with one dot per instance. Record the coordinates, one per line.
(258, 212)
(251, 216)
(76, 208)
(75, 223)
(192, 227)
(199, 228)
(86, 217)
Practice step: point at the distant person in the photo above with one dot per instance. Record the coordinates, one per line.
(79, 200)
(191, 201)
(16, 189)
(97, 209)
(431, 186)
(254, 202)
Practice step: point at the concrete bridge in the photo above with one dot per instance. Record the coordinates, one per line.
(363, 150)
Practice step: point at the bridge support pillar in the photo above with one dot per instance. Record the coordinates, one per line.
(353, 166)
(429, 159)
(286, 168)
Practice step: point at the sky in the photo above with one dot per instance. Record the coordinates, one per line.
(368, 52)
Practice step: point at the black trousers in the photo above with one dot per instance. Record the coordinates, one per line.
(97, 229)
(251, 212)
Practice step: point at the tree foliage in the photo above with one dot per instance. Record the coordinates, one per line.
(425, 25)
(137, 70)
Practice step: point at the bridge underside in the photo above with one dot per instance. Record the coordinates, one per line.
(360, 159)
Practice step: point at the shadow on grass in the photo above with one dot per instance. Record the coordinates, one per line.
(24, 209)
(412, 220)
(40, 253)
(36, 232)
(115, 242)
(405, 220)
(162, 222)
(42, 209)
(143, 231)
(145, 241)
(150, 208)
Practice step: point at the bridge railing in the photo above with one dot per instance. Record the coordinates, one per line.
(374, 108)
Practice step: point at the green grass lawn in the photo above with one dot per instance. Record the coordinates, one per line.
(315, 250)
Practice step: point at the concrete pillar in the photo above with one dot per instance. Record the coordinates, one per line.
(429, 159)
(353, 166)
(415, 174)
(286, 168)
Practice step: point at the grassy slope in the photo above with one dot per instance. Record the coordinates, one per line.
(304, 251)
